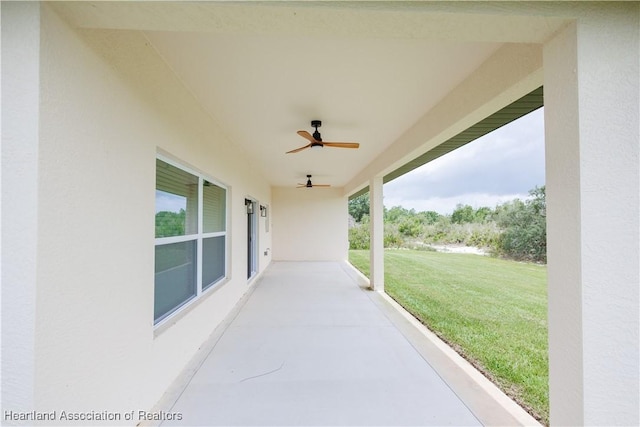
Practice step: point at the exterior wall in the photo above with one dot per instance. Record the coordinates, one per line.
(20, 68)
(592, 109)
(107, 104)
(310, 224)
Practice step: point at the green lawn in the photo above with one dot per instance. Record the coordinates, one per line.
(492, 311)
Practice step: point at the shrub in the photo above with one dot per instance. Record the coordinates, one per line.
(411, 227)
(359, 237)
(392, 237)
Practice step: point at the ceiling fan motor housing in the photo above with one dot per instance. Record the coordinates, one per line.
(316, 135)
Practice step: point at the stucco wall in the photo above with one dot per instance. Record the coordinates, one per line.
(20, 70)
(309, 224)
(107, 104)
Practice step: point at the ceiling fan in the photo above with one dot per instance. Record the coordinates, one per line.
(309, 184)
(315, 140)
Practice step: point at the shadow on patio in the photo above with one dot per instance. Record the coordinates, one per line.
(309, 345)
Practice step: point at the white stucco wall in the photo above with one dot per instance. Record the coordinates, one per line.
(20, 70)
(309, 224)
(107, 103)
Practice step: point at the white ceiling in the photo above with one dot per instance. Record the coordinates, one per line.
(369, 71)
(262, 89)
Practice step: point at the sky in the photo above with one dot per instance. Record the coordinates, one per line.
(169, 202)
(498, 167)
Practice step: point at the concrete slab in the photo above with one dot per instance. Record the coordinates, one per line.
(310, 347)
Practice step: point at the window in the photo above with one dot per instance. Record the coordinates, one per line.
(191, 224)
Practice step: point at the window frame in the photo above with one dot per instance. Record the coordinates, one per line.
(199, 236)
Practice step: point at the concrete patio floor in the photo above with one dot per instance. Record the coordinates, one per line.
(309, 345)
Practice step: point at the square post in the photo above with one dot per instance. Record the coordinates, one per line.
(376, 254)
(592, 104)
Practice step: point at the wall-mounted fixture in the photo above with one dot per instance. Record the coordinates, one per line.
(263, 211)
(249, 204)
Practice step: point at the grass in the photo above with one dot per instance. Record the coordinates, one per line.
(491, 311)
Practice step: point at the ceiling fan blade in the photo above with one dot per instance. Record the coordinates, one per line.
(307, 135)
(298, 149)
(342, 144)
(313, 186)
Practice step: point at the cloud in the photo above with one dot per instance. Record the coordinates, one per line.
(498, 167)
(169, 202)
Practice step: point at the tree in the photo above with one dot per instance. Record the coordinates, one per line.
(462, 214)
(359, 206)
(482, 214)
(170, 223)
(525, 227)
(397, 213)
(429, 217)
(516, 229)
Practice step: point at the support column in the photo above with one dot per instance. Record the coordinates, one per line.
(20, 123)
(592, 108)
(376, 215)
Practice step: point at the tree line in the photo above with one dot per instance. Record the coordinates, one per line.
(516, 229)
(170, 223)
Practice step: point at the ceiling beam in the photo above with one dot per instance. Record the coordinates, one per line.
(481, 22)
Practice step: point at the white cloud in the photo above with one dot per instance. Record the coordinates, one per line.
(498, 167)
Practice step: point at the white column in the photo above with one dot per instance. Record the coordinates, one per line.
(20, 122)
(376, 215)
(592, 107)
